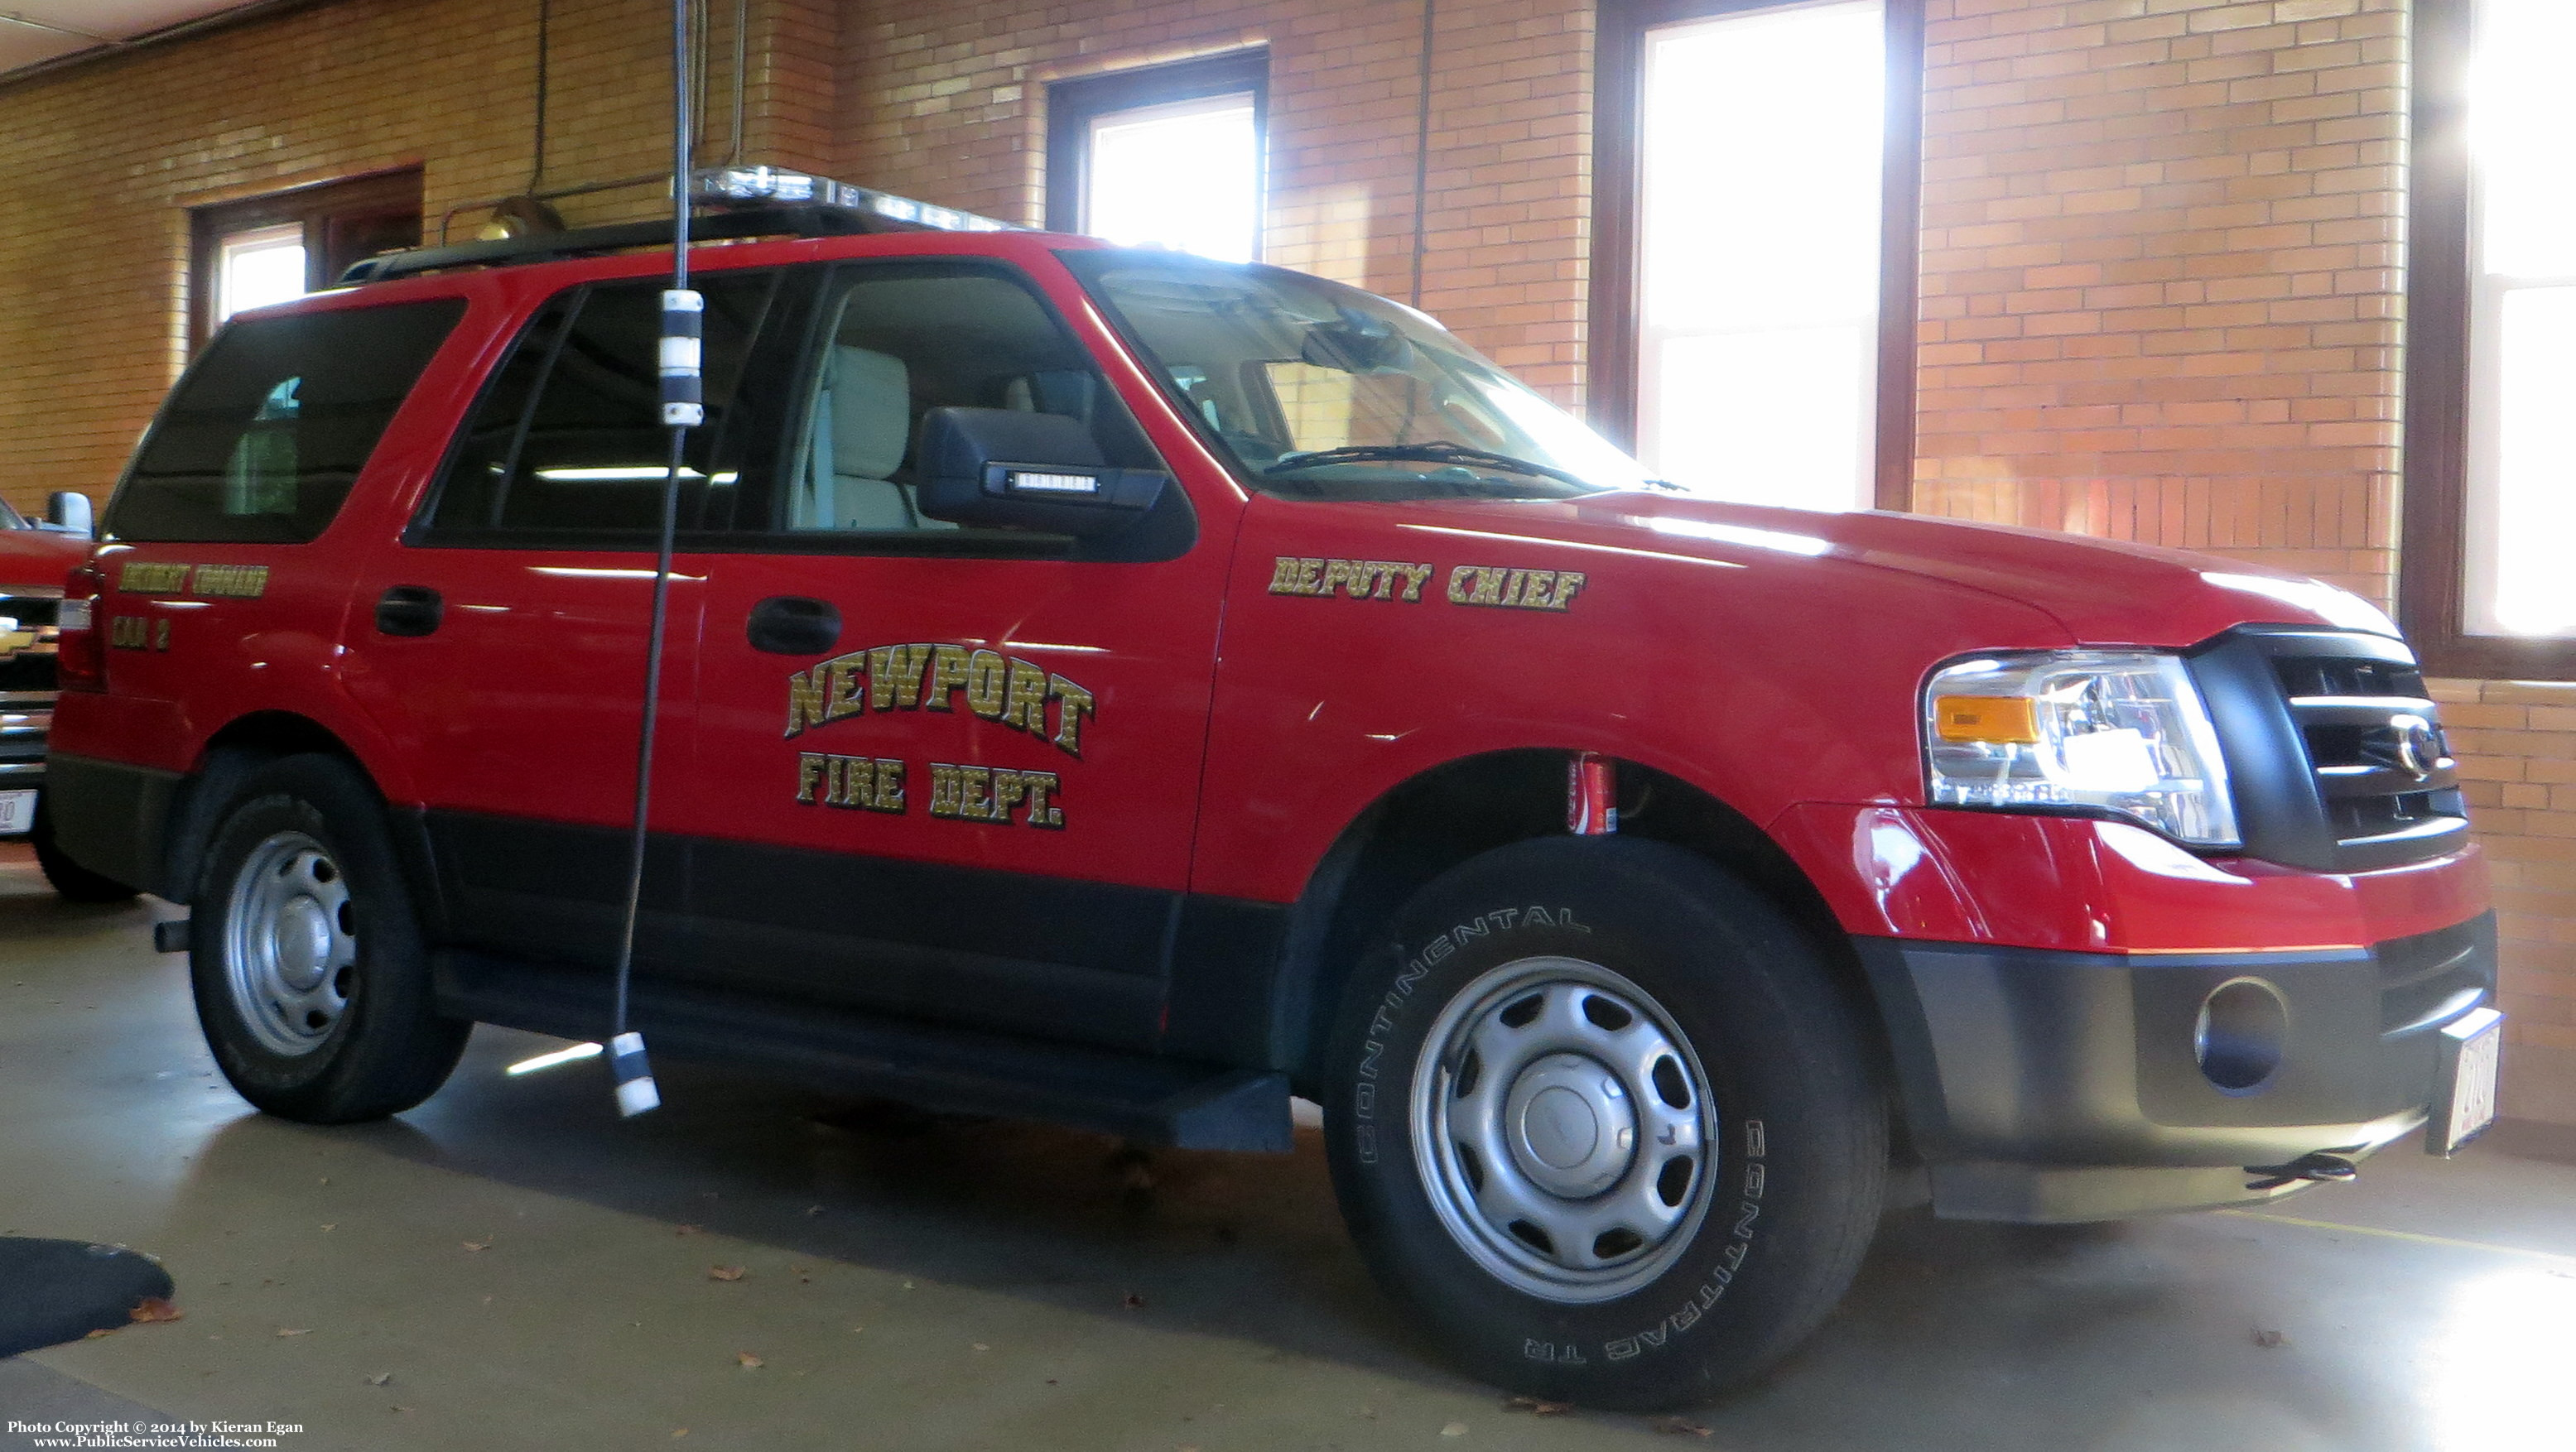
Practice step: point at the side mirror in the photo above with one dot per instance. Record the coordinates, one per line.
(1009, 469)
(70, 513)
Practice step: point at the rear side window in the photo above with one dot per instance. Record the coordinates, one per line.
(261, 440)
(567, 444)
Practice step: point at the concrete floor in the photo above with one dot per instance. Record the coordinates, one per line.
(510, 1266)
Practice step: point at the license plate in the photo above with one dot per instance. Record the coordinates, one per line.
(2464, 1098)
(17, 811)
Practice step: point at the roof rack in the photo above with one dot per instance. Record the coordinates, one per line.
(748, 201)
(795, 221)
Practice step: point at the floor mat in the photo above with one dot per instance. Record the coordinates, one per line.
(52, 1291)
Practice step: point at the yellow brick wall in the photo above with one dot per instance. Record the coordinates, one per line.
(101, 162)
(2162, 274)
(949, 103)
(2517, 746)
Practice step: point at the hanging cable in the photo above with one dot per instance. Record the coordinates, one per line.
(683, 408)
(1422, 149)
(537, 146)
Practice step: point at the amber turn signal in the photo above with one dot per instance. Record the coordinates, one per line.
(1998, 719)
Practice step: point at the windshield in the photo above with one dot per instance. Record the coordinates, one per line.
(1322, 391)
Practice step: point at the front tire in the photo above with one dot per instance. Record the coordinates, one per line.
(1603, 1115)
(305, 955)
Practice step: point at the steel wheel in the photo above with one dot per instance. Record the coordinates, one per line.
(1560, 1124)
(290, 955)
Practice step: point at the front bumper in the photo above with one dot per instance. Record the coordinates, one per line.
(2048, 1085)
(25, 721)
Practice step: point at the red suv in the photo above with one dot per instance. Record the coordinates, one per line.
(1127, 689)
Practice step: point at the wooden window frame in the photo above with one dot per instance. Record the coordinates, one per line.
(1073, 104)
(2432, 587)
(1618, 119)
(330, 214)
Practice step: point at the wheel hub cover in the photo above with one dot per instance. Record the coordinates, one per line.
(1572, 1128)
(302, 940)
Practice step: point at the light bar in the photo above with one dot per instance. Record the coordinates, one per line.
(767, 186)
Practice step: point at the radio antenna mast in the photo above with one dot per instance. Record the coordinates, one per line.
(683, 408)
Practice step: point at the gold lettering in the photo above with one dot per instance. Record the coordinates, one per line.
(1024, 698)
(1040, 785)
(241, 582)
(1283, 575)
(975, 793)
(1567, 582)
(943, 789)
(809, 765)
(1305, 582)
(947, 673)
(1010, 788)
(1460, 578)
(841, 697)
(1512, 584)
(894, 676)
(804, 701)
(1489, 587)
(1534, 595)
(1337, 576)
(1074, 704)
(985, 672)
(889, 794)
(153, 578)
(1414, 575)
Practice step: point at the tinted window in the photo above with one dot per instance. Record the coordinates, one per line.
(568, 437)
(262, 439)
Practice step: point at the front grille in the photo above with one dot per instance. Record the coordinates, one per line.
(2336, 750)
(27, 642)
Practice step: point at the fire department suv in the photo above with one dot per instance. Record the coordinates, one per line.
(1126, 689)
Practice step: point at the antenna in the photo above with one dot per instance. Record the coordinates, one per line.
(683, 408)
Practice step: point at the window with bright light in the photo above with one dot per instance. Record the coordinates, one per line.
(1168, 157)
(1761, 163)
(259, 266)
(2521, 495)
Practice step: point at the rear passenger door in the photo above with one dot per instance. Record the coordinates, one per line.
(975, 803)
(501, 641)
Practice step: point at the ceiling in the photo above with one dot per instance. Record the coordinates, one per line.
(34, 31)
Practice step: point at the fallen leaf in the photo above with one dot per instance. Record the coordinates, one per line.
(813, 1209)
(679, 1431)
(980, 1346)
(1675, 1426)
(2271, 1338)
(327, 1229)
(305, 1331)
(1537, 1408)
(1454, 1429)
(484, 1244)
(153, 1308)
(1135, 1302)
(725, 1272)
(855, 1330)
(749, 1361)
(688, 1230)
(326, 1179)
(102, 1331)
(402, 1409)
(380, 1378)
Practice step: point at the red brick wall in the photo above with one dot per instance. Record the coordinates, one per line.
(948, 103)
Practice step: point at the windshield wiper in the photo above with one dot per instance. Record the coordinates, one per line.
(1438, 451)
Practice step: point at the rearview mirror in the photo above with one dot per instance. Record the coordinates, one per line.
(1004, 468)
(70, 513)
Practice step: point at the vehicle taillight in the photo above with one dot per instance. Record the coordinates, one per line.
(80, 662)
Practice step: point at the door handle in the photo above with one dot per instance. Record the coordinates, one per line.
(794, 625)
(409, 610)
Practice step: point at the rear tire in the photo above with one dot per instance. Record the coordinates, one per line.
(1604, 1116)
(72, 881)
(305, 953)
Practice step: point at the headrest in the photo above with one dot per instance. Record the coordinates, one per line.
(871, 413)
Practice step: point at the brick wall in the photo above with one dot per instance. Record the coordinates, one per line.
(949, 103)
(103, 160)
(2517, 744)
(2162, 274)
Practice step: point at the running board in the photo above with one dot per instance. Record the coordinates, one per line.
(1147, 1099)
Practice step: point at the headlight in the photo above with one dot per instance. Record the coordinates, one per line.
(2119, 730)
